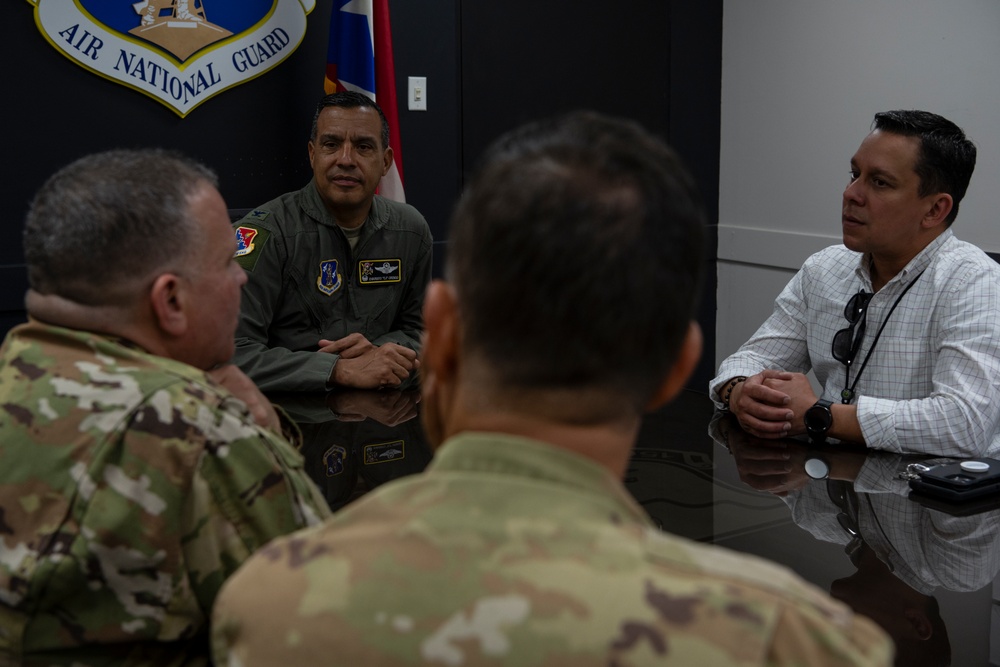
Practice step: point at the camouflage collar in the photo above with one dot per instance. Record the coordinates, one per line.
(514, 456)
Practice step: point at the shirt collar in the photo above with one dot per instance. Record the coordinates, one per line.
(913, 268)
(314, 207)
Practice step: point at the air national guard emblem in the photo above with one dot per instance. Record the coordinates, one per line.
(333, 460)
(179, 52)
(375, 271)
(329, 280)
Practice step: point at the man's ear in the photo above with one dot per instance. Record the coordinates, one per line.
(438, 360)
(687, 359)
(937, 214)
(439, 352)
(168, 301)
(386, 160)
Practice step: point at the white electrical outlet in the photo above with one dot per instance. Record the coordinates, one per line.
(417, 95)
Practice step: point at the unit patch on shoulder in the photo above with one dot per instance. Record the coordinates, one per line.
(383, 452)
(333, 460)
(249, 241)
(329, 280)
(376, 271)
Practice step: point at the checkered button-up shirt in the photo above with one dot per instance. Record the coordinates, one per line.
(932, 382)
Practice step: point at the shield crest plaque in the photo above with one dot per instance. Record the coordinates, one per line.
(179, 52)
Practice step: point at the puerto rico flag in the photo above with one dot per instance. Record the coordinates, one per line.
(359, 58)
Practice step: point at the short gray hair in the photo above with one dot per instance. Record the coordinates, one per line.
(109, 218)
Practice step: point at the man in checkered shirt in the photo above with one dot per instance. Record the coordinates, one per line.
(900, 324)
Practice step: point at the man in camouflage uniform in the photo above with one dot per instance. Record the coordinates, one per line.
(136, 473)
(573, 267)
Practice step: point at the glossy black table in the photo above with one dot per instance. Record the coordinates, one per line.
(924, 571)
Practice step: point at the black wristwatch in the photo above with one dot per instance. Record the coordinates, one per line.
(819, 419)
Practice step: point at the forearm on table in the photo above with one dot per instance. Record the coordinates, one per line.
(281, 369)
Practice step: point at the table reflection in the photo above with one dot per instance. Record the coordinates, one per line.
(904, 550)
(353, 441)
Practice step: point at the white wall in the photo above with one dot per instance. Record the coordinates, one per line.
(801, 81)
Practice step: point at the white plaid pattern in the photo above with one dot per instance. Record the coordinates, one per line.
(925, 548)
(932, 384)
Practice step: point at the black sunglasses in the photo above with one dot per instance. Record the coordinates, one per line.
(847, 341)
(847, 502)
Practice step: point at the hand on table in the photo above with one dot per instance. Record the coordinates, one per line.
(362, 365)
(772, 404)
(350, 346)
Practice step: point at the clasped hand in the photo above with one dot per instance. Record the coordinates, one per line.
(366, 366)
(772, 404)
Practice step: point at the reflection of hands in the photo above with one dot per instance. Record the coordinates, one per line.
(386, 407)
(771, 404)
(778, 465)
(365, 366)
(243, 388)
(774, 466)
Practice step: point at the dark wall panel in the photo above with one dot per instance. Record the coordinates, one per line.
(656, 62)
(490, 66)
(695, 119)
(522, 61)
(426, 43)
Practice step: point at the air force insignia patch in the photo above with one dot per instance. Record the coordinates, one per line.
(375, 271)
(179, 52)
(333, 460)
(244, 240)
(329, 280)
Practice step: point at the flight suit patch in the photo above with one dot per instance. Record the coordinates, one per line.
(249, 241)
(257, 214)
(376, 271)
(383, 452)
(329, 280)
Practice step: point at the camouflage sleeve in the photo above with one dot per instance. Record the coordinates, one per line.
(248, 489)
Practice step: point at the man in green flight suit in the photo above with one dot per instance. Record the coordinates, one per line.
(137, 470)
(336, 274)
(573, 273)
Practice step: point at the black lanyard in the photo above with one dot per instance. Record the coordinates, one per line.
(847, 395)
